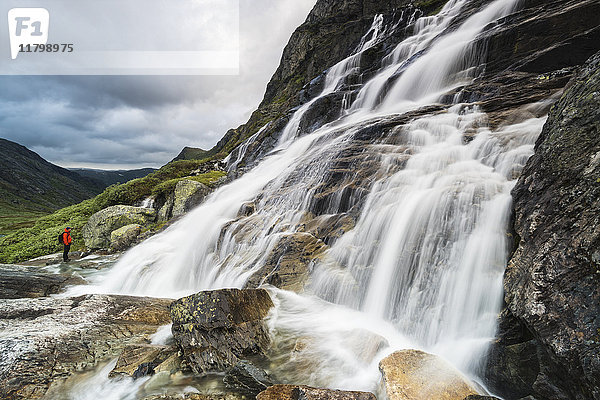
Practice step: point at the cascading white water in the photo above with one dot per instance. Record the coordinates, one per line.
(423, 265)
(232, 164)
(148, 202)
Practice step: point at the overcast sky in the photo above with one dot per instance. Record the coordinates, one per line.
(115, 122)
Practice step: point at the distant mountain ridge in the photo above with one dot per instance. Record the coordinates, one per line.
(111, 177)
(28, 182)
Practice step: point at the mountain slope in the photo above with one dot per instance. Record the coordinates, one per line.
(108, 178)
(191, 153)
(28, 182)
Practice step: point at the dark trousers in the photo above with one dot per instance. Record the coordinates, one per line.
(66, 252)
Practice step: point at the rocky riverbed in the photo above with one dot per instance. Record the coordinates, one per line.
(216, 342)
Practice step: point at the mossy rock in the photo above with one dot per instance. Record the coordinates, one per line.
(97, 232)
(122, 238)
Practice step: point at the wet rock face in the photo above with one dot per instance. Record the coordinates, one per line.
(18, 282)
(293, 392)
(545, 36)
(416, 375)
(552, 280)
(44, 341)
(97, 232)
(512, 363)
(144, 359)
(287, 266)
(247, 379)
(216, 329)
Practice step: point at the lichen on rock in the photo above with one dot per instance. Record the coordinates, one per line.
(97, 231)
(216, 329)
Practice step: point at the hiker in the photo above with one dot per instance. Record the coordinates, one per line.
(66, 241)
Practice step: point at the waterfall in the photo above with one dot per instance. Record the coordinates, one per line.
(148, 202)
(422, 266)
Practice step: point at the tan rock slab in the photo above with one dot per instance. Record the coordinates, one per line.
(416, 375)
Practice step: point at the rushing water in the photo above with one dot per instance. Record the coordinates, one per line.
(423, 265)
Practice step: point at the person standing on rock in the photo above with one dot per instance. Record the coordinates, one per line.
(66, 241)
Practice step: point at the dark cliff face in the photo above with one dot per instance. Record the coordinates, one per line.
(552, 282)
(331, 32)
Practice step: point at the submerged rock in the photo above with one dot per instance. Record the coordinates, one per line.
(97, 231)
(247, 379)
(216, 329)
(416, 375)
(193, 396)
(44, 341)
(294, 392)
(141, 360)
(18, 282)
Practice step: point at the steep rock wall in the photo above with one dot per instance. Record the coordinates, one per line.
(552, 282)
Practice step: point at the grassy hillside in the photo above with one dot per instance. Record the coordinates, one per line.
(191, 153)
(40, 239)
(31, 187)
(28, 182)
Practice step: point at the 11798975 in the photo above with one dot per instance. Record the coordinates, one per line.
(46, 48)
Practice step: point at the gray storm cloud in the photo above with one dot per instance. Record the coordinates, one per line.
(134, 121)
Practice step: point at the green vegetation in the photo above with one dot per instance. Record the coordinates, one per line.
(208, 179)
(191, 153)
(12, 219)
(40, 237)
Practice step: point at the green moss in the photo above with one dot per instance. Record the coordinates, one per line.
(207, 179)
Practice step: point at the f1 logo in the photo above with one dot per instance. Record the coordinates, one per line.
(27, 26)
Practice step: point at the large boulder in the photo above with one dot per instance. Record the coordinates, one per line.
(97, 231)
(552, 280)
(416, 375)
(123, 238)
(295, 392)
(45, 341)
(216, 329)
(18, 281)
(186, 195)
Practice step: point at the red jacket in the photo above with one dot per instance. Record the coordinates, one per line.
(67, 239)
